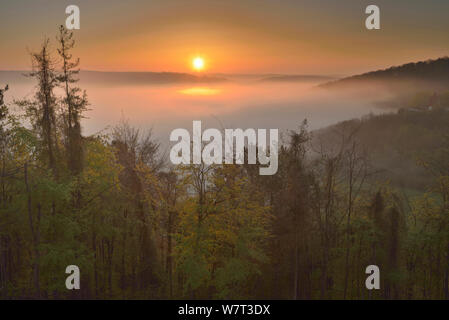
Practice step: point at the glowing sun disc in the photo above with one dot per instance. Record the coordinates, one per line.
(198, 63)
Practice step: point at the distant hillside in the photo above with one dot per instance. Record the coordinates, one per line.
(133, 78)
(297, 78)
(124, 78)
(394, 142)
(430, 74)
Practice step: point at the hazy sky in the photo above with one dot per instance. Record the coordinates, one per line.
(244, 36)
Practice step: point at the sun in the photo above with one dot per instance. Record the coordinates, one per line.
(198, 63)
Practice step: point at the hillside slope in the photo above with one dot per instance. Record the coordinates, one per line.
(430, 74)
(395, 143)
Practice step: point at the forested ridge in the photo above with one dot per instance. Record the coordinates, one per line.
(139, 228)
(429, 74)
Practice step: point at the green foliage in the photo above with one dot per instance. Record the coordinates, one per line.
(141, 229)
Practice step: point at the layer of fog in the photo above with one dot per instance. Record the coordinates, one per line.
(233, 104)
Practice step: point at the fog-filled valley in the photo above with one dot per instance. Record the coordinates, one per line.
(168, 101)
(362, 178)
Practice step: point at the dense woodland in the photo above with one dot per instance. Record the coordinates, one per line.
(140, 228)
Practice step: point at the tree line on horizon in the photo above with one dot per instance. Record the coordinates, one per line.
(139, 228)
(430, 74)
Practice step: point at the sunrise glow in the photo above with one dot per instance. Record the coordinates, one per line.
(198, 64)
(200, 91)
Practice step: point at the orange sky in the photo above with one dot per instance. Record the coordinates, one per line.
(251, 36)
